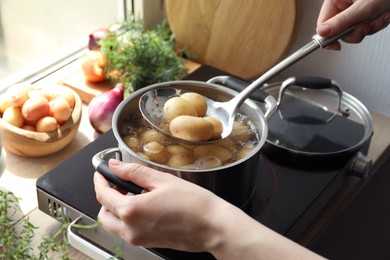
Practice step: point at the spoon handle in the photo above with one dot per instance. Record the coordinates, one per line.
(323, 42)
(316, 43)
(239, 85)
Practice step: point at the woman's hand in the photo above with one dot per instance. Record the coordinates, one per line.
(173, 213)
(178, 214)
(336, 16)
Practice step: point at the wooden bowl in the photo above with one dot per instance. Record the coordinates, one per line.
(34, 144)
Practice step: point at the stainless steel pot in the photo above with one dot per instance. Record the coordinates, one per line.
(234, 182)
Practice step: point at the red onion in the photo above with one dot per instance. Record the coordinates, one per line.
(102, 107)
(95, 37)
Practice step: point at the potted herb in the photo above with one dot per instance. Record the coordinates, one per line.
(138, 57)
(17, 234)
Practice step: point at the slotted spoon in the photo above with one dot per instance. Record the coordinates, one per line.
(152, 102)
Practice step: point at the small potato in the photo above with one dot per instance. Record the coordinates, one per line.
(60, 109)
(175, 149)
(4, 103)
(18, 94)
(178, 106)
(191, 128)
(46, 124)
(156, 152)
(151, 135)
(215, 150)
(180, 159)
(35, 108)
(70, 98)
(198, 101)
(132, 142)
(13, 116)
(243, 152)
(218, 127)
(67, 94)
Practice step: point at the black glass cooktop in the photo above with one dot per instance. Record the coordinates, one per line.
(287, 196)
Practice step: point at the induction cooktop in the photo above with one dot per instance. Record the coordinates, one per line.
(288, 196)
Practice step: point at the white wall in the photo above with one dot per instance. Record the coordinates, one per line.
(363, 70)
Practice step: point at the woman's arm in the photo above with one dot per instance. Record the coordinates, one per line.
(178, 214)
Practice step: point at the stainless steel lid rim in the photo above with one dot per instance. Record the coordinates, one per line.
(357, 113)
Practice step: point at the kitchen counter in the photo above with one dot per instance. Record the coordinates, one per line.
(21, 173)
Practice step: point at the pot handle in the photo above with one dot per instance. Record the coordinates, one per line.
(100, 162)
(239, 85)
(312, 83)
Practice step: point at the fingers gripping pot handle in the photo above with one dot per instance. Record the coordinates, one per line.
(100, 162)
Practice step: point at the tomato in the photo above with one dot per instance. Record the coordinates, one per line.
(94, 66)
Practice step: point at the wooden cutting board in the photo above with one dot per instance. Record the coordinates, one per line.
(242, 37)
(88, 90)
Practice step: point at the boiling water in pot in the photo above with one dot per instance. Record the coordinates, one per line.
(140, 137)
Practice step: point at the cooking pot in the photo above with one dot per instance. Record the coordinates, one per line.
(234, 182)
(315, 121)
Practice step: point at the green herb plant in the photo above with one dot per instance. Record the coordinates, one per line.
(16, 234)
(139, 57)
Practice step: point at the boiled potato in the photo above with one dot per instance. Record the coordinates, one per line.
(243, 152)
(198, 101)
(175, 149)
(215, 150)
(132, 142)
(180, 159)
(177, 106)
(156, 152)
(151, 135)
(191, 128)
(218, 127)
(13, 116)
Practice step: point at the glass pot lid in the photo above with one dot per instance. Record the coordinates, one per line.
(314, 116)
